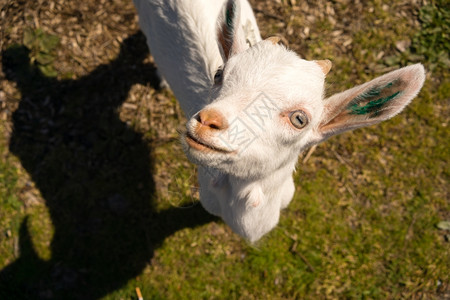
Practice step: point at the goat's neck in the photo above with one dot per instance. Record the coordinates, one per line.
(250, 207)
(270, 187)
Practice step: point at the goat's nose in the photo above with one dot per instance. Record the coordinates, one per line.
(212, 119)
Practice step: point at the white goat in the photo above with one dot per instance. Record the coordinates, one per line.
(254, 105)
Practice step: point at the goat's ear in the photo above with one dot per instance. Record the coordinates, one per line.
(230, 34)
(372, 102)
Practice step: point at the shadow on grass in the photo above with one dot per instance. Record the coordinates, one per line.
(95, 174)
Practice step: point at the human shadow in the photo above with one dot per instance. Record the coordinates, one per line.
(95, 174)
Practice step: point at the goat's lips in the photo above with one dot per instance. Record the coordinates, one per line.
(200, 146)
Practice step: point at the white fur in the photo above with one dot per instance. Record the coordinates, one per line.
(247, 184)
(182, 38)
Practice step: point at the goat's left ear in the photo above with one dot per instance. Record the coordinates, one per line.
(372, 102)
(230, 34)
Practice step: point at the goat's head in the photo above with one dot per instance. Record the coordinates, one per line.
(267, 104)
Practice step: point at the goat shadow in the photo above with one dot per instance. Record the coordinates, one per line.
(95, 174)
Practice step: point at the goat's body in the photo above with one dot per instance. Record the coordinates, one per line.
(181, 35)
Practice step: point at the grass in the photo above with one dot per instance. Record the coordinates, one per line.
(96, 199)
(12, 210)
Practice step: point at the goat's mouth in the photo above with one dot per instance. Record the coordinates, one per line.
(201, 146)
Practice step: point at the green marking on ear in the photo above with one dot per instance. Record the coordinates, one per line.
(230, 14)
(372, 107)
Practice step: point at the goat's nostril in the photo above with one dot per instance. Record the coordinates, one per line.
(212, 119)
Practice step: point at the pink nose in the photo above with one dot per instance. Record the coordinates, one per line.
(212, 119)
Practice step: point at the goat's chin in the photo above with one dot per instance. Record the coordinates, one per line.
(223, 163)
(229, 163)
(211, 158)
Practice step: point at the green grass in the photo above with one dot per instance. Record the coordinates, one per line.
(11, 211)
(116, 205)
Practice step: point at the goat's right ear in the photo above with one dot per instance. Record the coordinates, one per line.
(372, 102)
(230, 34)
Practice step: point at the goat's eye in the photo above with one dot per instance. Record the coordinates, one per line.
(298, 118)
(218, 76)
